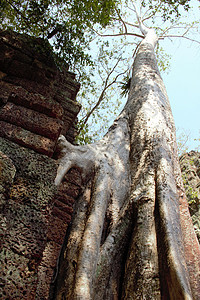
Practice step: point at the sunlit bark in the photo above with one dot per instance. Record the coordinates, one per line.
(126, 240)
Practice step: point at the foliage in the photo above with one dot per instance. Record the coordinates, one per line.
(198, 141)
(103, 88)
(64, 21)
(125, 85)
(169, 9)
(191, 193)
(84, 137)
(163, 59)
(98, 40)
(182, 141)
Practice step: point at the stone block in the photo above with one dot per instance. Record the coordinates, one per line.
(27, 139)
(30, 46)
(17, 281)
(5, 91)
(31, 120)
(73, 87)
(70, 106)
(27, 230)
(36, 102)
(56, 230)
(35, 219)
(31, 86)
(62, 206)
(25, 70)
(61, 215)
(74, 176)
(61, 94)
(19, 69)
(61, 196)
(67, 125)
(70, 189)
(9, 54)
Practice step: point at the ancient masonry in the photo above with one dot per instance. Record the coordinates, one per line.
(190, 168)
(37, 104)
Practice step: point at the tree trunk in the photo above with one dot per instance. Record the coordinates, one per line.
(126, 240)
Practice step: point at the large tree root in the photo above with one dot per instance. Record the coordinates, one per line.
(126, 241)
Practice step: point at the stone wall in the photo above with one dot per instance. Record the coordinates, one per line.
(37, 100)
(37, 103)
(190, 168)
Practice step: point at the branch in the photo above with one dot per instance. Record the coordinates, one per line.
(58, 28)
(151, 15)
(127, 23)
(179, 36)
(187, 27)
(143, 28)
(120, 18)
(150, 35)
(106, 86)
(135, 51)
(19, 12)
(53, 32)
(118, 34)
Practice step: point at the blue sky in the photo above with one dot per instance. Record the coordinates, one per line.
(183, 86)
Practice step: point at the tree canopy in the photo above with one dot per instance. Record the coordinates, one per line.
(72, 25)
(64, 21)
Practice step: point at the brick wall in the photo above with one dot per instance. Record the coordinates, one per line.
(37, 103)
(37, 100)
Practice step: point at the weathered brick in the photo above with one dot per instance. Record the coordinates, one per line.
(29, 81)
(61, 94)
(45, 275)
(56, 230)
(33, 121)
(62, 76)
(31, 86)
(50, 254)
(62, 206)
(19, 69)
(15, 41)
(61, 196)
(70, 189)
(67, 125)
(25, 44)
(73, 87)
(8, 54)
(27, 139)
(69, 105)
(71, 133)
(61, 215)
(74, 176)
(191, 246)
(36, 102)
(46, 269)
(5, 90)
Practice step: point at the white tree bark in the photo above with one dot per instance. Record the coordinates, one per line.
(126, 240)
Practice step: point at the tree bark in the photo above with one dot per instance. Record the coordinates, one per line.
(126, 240)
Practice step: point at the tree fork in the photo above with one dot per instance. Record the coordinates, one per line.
(136, 184)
